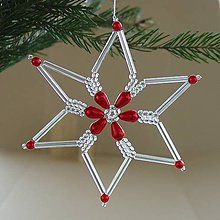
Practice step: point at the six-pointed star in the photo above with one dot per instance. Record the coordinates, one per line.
(111, 114)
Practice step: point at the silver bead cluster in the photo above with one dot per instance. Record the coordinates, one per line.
(148, 117)
(112, 113)
(75, 107)
(138, 88)
(131, 84)
(93, 84)
(126, 148)
(86, 141)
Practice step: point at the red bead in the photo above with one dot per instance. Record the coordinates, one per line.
(104, 198)
(93, 112)
(102, 99)
(97, 127)
(123, 99)
(116, 26)
(36, 61)
(192, 79)
(179, 164)
(30, 145)
(117, 131)
(130, 116)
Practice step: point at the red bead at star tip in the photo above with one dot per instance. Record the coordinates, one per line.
(30, 145)
(36, 61)
(104, 198)
(192, 79)
(116, 26)
(179, 164)
(102, 100)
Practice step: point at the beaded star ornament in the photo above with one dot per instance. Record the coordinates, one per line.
(109, 113)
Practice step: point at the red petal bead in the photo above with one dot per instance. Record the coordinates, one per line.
(30, 145)
(93, 112)
(130, 116)
(116, 26)
(36, 61)
(104, 198)
(179, 164)
(192, 79)
(123, 99)
(102, 100)
(117, 131)
(97, 127)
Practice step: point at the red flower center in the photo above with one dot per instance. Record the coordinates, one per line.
(111, 114)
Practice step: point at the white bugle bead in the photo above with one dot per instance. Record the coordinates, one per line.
(49, 125)
(118, 175)
(154, 159)
(127, 52)
(53, 84)
(168, 141)
(104, 52)
(93, 173)
(65, 72)
(163, 80)
(172, 98)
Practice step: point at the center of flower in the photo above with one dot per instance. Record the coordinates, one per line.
(112, 113)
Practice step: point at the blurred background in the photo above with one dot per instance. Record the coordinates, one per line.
(55, 184)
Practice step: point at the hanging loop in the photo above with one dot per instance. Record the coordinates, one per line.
(114, 17)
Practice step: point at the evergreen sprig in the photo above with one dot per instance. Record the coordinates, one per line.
(195, 46)
(28, 26)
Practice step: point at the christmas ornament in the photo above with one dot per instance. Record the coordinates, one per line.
(108, 113)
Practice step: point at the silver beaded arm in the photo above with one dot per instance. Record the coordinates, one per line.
(168, 102)
(93, 172)
(70, 74)
(129, 61)
(160, 80)
(157, 81)
(50, 125)
(154, 159)
(152, 118)
(51, 81)
(128, 153)
(170, 145)
(54, 144)
(118, 175)
(104, 52)
(86, 141)
(43, 132)
(92, 83)
(74, 107)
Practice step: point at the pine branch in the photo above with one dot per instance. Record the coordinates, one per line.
(195, 46)
(28, 26)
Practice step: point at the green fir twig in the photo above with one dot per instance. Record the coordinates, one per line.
(28, 26)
